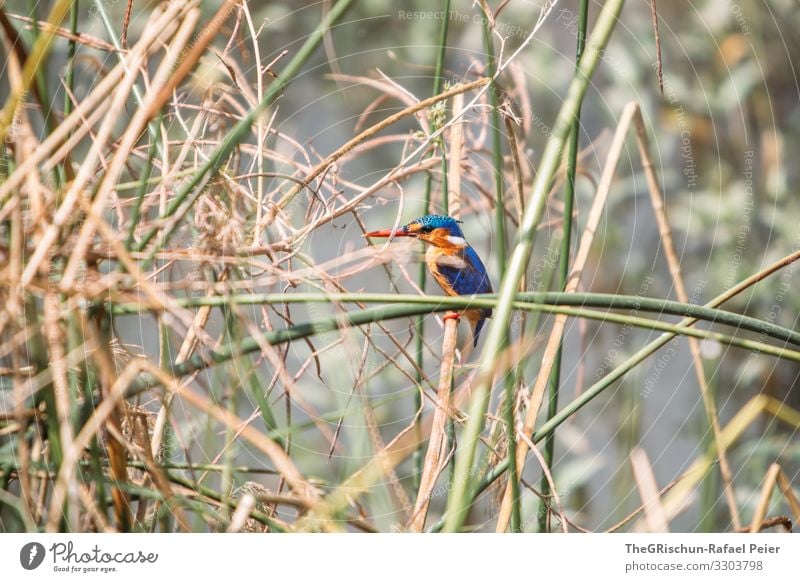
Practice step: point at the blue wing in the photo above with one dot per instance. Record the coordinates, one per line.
(467, 278)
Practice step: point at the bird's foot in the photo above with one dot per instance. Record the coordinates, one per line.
(452, 315)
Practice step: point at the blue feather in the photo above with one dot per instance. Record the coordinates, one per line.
(469, 279)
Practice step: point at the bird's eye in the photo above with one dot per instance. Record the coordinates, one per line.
(426, 229)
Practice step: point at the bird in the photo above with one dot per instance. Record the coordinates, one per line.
(454, 264)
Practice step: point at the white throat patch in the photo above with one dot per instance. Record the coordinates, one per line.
(457, 241)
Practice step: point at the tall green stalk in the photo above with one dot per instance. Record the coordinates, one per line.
(459, 501)
(563, 264)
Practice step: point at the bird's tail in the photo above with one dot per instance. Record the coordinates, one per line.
(477, 319)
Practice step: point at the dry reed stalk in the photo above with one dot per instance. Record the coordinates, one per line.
(655, 515)
(632, 515)
(165, 302)
(436, 455)
(82, 38)
(368, 133)
(785, 486)
(155, 474)
(164, 25)
(389, 89)
(57, 362)
(128, 141)
(242, 513)
(283, 464)
(770, 479)
(678, 498)
(103, 414)
(187, 347)
(548, 359)
(665, 233)
(549, 476)
(774, 476)
(38, 52)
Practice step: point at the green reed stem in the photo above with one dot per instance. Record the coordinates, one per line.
(458, 501)
(361, 317)
(400, 305)
(563, 267)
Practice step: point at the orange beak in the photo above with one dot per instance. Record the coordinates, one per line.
(388, 232)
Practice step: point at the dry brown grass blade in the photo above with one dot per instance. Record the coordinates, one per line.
(163, 25)
(665, 233)
(786, 488)
(192, 56)
(549, 476)
(783, 521)
(81, 38)
(677, 499)
(323, 166)
(655, 516)
(15, 310)
(283, 464)
(128, 141)
(516, 154)
(657, 37)
(548, 359)
(112, 390)
(774, 476)
(436, 455)
(770, 479)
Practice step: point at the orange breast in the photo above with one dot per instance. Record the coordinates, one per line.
(436, 255)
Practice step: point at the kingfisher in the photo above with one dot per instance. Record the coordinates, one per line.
(454, 264)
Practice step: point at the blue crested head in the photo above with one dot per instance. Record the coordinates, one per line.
(430, 222)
